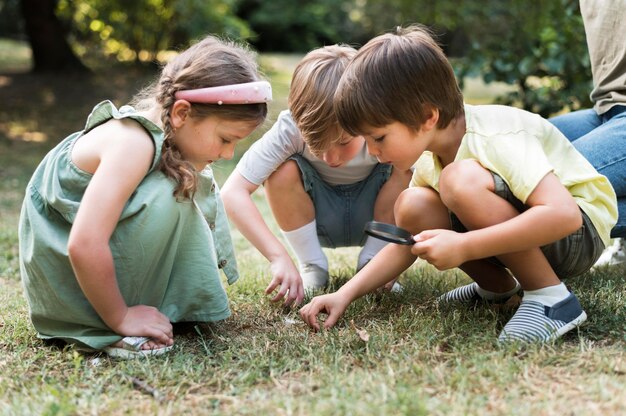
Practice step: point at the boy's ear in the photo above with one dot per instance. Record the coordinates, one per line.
(179, 113)
(432, 119)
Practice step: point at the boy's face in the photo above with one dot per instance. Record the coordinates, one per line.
(342, 151)
(396, 144)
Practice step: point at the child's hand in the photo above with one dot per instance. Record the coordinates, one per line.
(288, 278)
(146, 321)
(441, 248)
(332, 304)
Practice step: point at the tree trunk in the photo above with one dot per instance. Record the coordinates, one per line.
(51, 51)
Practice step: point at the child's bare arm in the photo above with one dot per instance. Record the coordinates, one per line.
(553, 214)
(390, 262)
(236, 194)
(120, 153)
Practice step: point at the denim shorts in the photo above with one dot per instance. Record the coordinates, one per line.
(570, 256)
(341, 211)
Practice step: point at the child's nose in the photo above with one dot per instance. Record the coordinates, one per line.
(227, 152)
(372, 150)
(330, 157)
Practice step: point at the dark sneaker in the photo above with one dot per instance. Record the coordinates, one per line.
(535, 322)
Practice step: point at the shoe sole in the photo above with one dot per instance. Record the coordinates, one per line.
(569, 326)
(123, 354)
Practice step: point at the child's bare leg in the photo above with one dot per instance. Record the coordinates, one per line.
(384, 206)
(548, 310)
(383, 211)
(291, 205)
(467, 189)
(419, 209)
(295, 214)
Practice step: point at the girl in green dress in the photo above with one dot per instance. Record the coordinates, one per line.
(122, 230)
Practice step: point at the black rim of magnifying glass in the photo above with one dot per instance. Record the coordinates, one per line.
(389, 232)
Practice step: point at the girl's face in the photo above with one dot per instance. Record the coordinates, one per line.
(342, 151)
(202, 141)
(397, 144)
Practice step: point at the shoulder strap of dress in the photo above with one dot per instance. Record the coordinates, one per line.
(106, 110)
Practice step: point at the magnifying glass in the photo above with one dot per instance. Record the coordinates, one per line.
(389, 232)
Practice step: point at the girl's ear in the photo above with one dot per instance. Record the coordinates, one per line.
(179, 113)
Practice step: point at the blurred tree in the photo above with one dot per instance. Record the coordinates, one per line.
(46, 34)
(11, 23)
(540, 49)
(140, 29)
(298, 26)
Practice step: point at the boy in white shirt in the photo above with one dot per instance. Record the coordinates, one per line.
(321, 183)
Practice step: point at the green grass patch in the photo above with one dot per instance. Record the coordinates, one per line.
(420, 359)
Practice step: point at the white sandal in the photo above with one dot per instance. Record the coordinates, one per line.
(131, 348)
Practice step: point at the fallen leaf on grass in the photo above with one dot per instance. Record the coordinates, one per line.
(362, 333)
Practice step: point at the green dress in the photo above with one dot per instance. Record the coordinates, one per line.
(167, 253)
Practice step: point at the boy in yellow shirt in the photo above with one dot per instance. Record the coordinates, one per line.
(496, 191)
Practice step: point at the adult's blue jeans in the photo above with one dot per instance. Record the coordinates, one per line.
(602, 140)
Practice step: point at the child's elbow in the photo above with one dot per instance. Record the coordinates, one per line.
(74, 247)
(77, 247)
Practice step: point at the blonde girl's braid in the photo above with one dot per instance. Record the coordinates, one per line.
(172, 162)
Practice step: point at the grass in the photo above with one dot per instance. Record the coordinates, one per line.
(419, 359)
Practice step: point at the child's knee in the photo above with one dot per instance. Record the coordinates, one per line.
(462, 180)
(284, 177)
(416, 207)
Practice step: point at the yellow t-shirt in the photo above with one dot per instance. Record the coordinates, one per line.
(522, 148)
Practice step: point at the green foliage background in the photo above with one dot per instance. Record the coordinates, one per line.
(538, 47)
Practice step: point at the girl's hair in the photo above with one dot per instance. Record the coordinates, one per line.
(210, 62)
(398, 77)
(311, 94)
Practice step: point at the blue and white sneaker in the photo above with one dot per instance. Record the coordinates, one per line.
(469, 294)
(535, 322)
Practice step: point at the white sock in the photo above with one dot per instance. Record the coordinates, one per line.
(370, 248)
(306, 245)
(489, 295)
(548, 296)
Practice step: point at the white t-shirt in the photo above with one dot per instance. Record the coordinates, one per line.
(282, 141)
(522, 148)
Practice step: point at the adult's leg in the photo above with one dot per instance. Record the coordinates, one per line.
(576, 124)
(605, 148)
(602, 140)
